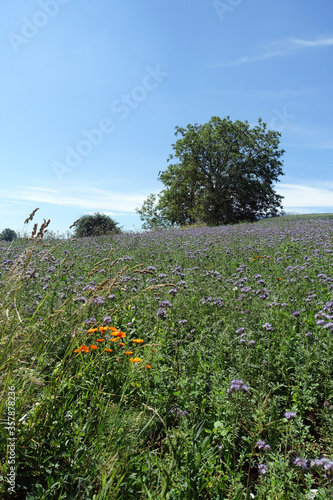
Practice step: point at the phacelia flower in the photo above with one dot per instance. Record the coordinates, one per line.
(262, 469)
(236, 385)
(290, 414)
(301, 462)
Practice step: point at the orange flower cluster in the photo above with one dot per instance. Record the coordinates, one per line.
(117, 335)
(83, 348)
(135, 360)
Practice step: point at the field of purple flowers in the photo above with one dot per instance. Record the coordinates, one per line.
(190, 363)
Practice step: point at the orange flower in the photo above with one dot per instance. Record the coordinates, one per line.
(103, 329)
(113, 328)
(99, 340)
(93, 347)
(137, 341)
(76, 350)
(92, 330)
(118, 333)
(148, 366)
(121, 334)
(84, 348)
(121, 344)
(129, 352)
(108, 350)
(114, 340)
(135, 360)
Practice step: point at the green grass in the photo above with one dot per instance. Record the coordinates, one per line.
(248, 303)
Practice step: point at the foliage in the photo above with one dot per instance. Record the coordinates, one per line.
(8, 235)
(151, 215)
(224, 174)
(96, 225)
(228, 392)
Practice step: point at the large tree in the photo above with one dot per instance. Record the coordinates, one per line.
(221, 172)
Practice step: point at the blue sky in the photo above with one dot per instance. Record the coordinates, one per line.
(91, 93)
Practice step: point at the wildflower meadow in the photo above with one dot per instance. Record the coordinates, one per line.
(192, 363)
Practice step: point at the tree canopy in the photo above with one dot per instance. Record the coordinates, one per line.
(8, 235)
(220, 172)
(95, 225)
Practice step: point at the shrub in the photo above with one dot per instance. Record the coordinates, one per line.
(96, 225)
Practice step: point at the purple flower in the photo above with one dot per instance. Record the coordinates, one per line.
(98, 301)
(240, 330)
(173, 291)
(236, 385)
(80, 299)
(90, 321)
(165, 303)
(260, 444)
(112, 296)
(296, 314)
(268, 327)
(328, 467)
(178, 412)
(329, 325)
(323, 463)
(161, 313)
(182, 321)
(262, 469)
(290, 414)
(107, 319)
(301, 462)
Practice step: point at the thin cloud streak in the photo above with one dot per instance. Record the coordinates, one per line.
(281, 48)
(92, 199)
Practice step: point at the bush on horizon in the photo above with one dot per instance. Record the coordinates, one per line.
(96, 225)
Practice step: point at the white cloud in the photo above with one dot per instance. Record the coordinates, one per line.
(85, 198)
(300, 195)
(281, 48)
(321, 42)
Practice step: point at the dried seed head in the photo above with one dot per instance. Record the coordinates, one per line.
(74, 223)
(34, 230)
(31, 216)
